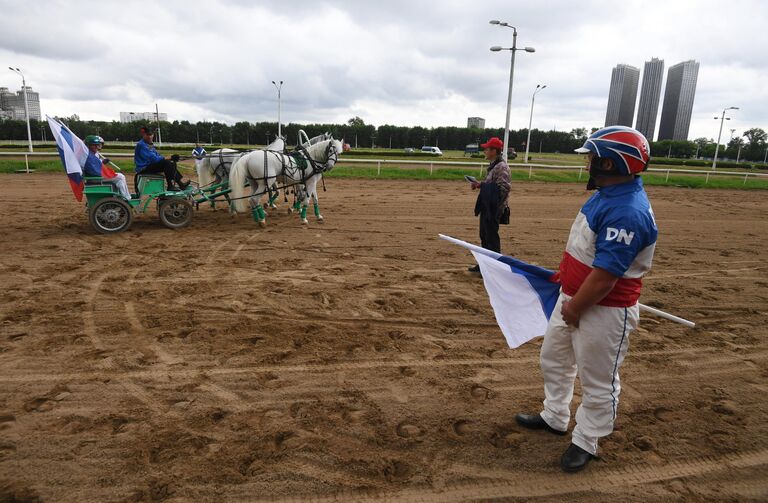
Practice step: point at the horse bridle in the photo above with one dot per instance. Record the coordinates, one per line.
(331, 153)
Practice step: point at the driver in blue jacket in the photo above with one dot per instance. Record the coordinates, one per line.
(148, 161)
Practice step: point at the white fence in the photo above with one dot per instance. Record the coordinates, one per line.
(438, 164)
(545, 167)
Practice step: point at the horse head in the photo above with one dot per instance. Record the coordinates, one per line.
(326, 151)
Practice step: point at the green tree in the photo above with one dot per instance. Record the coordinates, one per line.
(580, 133)
(356, 121)
(755, 136)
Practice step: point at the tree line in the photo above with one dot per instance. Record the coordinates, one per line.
(750, 146)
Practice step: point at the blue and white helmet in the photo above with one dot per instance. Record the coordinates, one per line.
(626, 147)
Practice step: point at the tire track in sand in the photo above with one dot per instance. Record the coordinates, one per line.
(723, 364)
(508, 484)
(89, 316)
(149, 345)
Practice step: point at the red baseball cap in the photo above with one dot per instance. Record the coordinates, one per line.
(494, 143)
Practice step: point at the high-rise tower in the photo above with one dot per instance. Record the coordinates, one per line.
(678, 101)
(621, 97)
(650, 95)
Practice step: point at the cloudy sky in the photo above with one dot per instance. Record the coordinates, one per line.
(396, 62)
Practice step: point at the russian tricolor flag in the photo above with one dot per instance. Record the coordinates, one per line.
(73, 154)
(522, 295)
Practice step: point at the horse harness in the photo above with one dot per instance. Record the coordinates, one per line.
(302, 159)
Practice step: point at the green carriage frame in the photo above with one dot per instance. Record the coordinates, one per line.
(109, 212)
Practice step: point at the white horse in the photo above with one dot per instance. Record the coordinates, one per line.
(303, 170)
(215, 167)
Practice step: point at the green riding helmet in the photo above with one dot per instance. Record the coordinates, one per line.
(93, 139)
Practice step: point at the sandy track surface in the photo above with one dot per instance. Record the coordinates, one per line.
(358, 360)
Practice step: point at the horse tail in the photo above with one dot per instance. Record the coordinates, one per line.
(204, 171)
(237, 175)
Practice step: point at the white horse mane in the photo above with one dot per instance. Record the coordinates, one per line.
(319, 138)
(317, 150)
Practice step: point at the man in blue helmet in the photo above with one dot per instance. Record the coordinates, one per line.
(609, 250)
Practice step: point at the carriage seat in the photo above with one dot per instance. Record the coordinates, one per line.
(150, 183)
(91, 181)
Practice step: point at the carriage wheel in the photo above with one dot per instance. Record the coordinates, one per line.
(110, 215)
(175, 213)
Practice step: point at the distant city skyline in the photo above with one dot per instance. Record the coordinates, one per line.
(142, 116)
(12, 104)
(679, 94)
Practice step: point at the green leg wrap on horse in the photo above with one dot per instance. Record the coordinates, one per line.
(303, 212)
(258, 213)
(272, 199)
(317, 209)
(297, 205)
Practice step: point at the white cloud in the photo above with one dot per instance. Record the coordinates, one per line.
(408, 63)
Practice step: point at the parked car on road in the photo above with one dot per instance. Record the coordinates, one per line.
(431, 150)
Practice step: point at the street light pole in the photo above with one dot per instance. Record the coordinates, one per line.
(720, 134)
(539, 87)
(513, 49)
(26, 105)
(157, 119)
(279, 87)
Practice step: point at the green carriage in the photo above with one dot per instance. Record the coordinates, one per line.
(109, 212)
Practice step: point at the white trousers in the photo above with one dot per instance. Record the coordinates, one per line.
(122, 185)
(594, 351)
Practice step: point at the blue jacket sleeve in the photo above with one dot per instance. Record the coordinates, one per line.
(620, 239)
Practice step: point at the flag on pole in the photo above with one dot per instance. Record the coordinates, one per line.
(73, 154)
(107, 172)
(522, 295)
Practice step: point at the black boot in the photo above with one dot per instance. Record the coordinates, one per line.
(474, 268)
(183, 184)
(536, 422)
(575, 459)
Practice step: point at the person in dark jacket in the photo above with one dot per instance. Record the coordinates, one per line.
(493, 200)
(148, 161)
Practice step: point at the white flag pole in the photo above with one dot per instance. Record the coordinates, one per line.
(666, 316)
(643, 307)
(470, 246)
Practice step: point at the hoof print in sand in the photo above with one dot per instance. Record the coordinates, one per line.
(409, 431)
(462, 427)
(481, 392)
